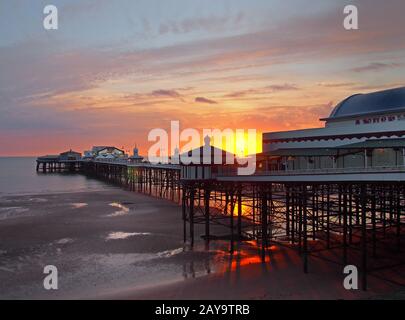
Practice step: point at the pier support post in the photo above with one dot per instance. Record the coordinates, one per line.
(239, 215)
(293, 213)
(183, 211)
(287, 212)
(191, 212)
(264, 224)
(207, 213)
(299, 220)
(314, 212)
(373, 221)
(350, 214)
(344, 190)
(232, 222)
(399, 218)
(364, 236)
(305, 233)
(328, 217)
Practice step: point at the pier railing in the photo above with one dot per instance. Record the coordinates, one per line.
(379, 169)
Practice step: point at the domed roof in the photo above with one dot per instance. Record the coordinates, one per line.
(376, 102)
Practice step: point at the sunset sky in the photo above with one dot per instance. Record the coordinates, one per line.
(117, 69)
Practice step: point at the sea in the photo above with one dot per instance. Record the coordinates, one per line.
(18, 176)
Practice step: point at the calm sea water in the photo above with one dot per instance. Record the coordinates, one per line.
(18, 176)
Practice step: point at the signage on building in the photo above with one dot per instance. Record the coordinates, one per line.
(381, 119)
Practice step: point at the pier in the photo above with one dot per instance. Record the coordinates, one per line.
(55, 165)
(358, 218)
(69, 161)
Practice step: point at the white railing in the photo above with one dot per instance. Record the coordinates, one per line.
(381, 169)
(128, 163)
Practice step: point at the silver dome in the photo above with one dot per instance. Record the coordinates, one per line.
(386, 101)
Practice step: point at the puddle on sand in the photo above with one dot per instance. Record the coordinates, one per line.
(64, 241)
(40, 200)
(123, 210)
(170, 253)
(12, 212)
(124, 235)
(78, 205)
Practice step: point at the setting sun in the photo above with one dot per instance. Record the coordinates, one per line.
(242, 144)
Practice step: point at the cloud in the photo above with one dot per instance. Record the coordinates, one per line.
(376, 66)
(289, 117)
(205, 100)
(336, 84)
(282, 87)
(263, 90)
(210, 23)
(166, 93)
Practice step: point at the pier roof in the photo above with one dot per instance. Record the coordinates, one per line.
(306, 152)
(386, 101)
(375, 144)
(208, 154)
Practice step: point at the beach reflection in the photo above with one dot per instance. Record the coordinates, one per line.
(124, 235)
(215, 257)
(79, 205)
(123, 209)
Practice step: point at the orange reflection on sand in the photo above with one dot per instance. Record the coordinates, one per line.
(248, 256)
(256, 244)
(255, 259)
(244, 258)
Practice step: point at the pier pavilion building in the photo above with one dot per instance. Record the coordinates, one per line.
(364, 131)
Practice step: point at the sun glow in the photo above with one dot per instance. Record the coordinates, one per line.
(243, 144)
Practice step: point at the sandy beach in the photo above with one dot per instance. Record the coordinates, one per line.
(116, 244)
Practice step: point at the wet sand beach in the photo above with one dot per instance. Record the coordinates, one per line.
(115, 244)
(99, 241)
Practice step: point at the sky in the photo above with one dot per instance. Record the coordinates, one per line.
(114, 70)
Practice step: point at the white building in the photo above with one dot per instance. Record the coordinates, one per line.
(364, 130)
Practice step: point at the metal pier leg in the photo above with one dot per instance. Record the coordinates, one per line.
(207, 214)
(305, 240)
(363, 236)
(191, 210)
(293, 212)
(239, 215)
(183, 207)
(350, 215)
(328, 218)
(344, 189)
(287, 212)
(398, 222)
(314, 214)
(231, 216)
(300, 222)
(373, 221)
(264, 225)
